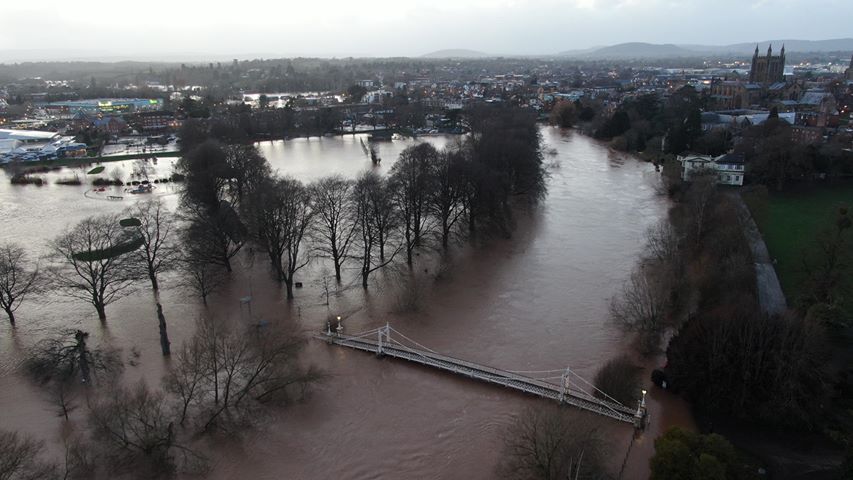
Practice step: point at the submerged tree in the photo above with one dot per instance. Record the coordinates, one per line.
(156, 229)
(20, 459)
(374, 215)
(281, 218)
(135, 430)
(63, 363)
(18, 278)
(92, 261)
(337, 226)
(212, 234)
(549, 444)
(221, 377)
(200, 277)
(409, 185)
(619, 379)
(446, 201)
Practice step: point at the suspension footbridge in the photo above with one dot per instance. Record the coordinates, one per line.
(572, 389)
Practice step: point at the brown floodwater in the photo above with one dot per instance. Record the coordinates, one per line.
(536, 301)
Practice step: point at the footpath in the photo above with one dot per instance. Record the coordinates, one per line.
(770, 295)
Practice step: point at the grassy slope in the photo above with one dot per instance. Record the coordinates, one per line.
(790, 222)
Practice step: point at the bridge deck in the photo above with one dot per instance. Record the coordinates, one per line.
(574, 397)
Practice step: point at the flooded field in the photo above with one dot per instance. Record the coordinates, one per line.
(537, 301)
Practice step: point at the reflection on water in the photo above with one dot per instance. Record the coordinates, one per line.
(537, 301)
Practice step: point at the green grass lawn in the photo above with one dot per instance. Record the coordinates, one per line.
(790, 222)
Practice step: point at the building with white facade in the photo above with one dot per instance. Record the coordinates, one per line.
(729, 168)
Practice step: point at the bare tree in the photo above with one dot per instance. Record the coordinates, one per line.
(549, 444)
(64, 362)
(662, 241)
(409, 187)
(156, 228)
(641, 304)
(374, 213)
(281, 218)
(136, 432)
(220, 377)
(619, 379)
(447, 192)
(20, 459)
(247, 169)
(212, 234)
(92, 263)
(700, 202)
(337, 225)
(18, 278)
(201, 277)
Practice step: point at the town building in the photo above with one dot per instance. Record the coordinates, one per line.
(729, 168)
(767, 70)
(849, 73)
(103, 105)
(155, 121)
(805, 135)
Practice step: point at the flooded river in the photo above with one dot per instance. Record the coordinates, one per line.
(537, 301)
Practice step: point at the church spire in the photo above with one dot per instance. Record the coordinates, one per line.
(770, 50)
(756, 50)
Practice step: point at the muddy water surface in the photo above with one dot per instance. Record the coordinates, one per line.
(537, 301)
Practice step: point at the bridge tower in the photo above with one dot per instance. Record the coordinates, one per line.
(386, 333)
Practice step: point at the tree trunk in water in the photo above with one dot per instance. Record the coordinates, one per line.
(445, 233)
(364, 276)
(11, 315)
(164, 335)
(289, 285)
(337, 270)
(153, 276)
(101, 309)
(80, 336)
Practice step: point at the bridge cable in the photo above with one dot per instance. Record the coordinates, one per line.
(617, 402)
(409, 339)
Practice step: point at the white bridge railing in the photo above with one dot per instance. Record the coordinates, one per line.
(570, 391)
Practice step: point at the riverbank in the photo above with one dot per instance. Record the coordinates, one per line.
(83, 161)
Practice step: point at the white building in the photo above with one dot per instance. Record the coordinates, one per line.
(729, 167)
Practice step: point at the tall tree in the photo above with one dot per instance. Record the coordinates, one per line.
(212, 235)
(373, 213)
(281, 218)
(156, 229)
(409, 184)
(92, 261)
(18, 278)
(200, 276)
(337, 226)
(246, 169)
(447, 192)
(553, 445)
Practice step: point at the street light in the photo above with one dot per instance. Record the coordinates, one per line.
(340, 328)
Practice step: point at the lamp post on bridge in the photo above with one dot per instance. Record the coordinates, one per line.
(640, 416)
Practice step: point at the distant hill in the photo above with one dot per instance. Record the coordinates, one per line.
(634, 50)
(456, 53)
(653, 50)
(800, 46)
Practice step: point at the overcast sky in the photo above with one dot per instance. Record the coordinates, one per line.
(403, 27)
